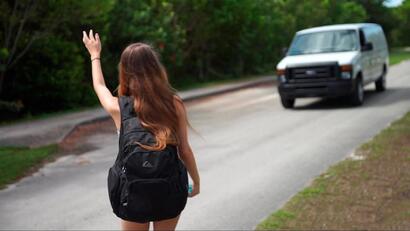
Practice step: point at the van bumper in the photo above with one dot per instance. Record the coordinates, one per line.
(334, 88)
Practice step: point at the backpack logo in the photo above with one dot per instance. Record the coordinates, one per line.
(147, 164)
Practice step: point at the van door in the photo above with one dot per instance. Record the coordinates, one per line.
(371, 36)
(380, 49)
(365, 58)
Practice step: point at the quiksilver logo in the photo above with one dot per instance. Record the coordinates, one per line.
(311, 72)
(147, 164)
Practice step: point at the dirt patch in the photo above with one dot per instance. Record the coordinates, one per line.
(371, 193)
(76, 141)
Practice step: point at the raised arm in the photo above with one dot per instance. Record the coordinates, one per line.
(184, 149)
(107, 100)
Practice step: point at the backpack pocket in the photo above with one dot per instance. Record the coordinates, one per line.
(114, 184)
(153, 199)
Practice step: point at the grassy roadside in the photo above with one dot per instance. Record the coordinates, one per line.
(371, 191)
(399, 54)
(16, 162)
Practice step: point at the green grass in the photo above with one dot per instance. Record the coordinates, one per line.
(276, 220)
(398, 54)
(16, 161)
(381, 142)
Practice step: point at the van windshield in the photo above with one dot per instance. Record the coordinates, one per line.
(323, 42)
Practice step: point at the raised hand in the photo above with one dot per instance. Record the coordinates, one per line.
(92, 43)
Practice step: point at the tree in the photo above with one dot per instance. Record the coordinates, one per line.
(401, 33)
(346, 12)
(29, 24)
(150, 21)
(17, 39)
(379, 13)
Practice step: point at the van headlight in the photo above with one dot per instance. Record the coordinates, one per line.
(280, 73)
(282, 78)
(346, 75)
(346, 71)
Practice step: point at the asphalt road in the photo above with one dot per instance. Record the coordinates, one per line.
(253, 155)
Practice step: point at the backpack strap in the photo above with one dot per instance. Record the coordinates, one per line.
(129, 123)
(123, 102)
(128, 113)
(126, 107)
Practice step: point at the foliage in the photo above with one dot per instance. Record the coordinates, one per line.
(401, 32)
(149, 21)
(59, 77)
(230, 38)
(378, 13)
(41, 56)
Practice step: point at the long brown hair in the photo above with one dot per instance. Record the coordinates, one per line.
(142, 76)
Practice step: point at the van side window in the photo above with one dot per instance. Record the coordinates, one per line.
(362, 38)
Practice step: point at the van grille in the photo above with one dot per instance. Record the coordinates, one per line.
(312, 73)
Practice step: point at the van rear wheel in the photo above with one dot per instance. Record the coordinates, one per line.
(287, 102)
(381, 82)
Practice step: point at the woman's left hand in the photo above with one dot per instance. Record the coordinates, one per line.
(92, 43)
(195, 190)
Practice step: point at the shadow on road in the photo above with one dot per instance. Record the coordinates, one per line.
(371, 99)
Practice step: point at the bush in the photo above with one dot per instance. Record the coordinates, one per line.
(50, 78)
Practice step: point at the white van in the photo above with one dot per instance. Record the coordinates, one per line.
(333, 61)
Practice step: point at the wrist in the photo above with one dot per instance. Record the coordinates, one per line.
(93, 56)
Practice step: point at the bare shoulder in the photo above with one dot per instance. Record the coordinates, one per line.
(178, 99)
(180, 111)
(179, 104)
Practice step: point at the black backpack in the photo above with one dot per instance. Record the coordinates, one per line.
(145, 185)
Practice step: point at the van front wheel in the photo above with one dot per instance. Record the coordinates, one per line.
(287, 102)
(358, 93)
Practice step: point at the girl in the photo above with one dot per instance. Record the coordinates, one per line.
(160, 110)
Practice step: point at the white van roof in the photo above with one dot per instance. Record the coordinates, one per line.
(351, 26)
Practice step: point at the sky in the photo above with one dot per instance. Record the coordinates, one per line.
(393, 3)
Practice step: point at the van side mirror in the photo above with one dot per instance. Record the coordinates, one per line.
(284, 51)
(367, 46)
